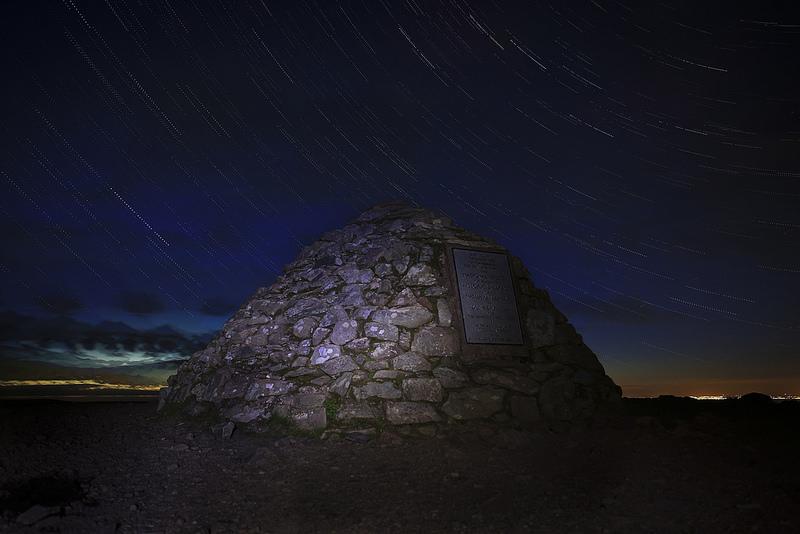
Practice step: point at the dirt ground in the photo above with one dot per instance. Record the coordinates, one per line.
(118, 467)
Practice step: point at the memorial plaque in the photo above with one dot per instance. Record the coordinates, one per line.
(488, 302)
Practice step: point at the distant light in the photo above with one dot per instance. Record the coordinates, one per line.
(92, 384)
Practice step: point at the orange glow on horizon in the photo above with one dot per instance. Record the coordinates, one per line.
(91, 384)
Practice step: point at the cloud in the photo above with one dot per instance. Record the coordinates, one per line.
(76, 343)
(140, 303)
(216, 306)
(59, 304)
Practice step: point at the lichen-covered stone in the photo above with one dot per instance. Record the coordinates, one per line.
(385, 350)
(385, 332)
(344, 331)
(352, 329)
(407, 316)
(304, 327)
(267, 388)
(323, 353)
(359, 344)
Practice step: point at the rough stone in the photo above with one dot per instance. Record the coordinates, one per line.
(422, 389)
(294, 350)
(508, 380)
(540, 327)
(383, 390)
(341, 385)
(338, 365)
(435, 341)
(388, 374)
(344, 331)
(333, 315)
(406, 297)
(354, 410)
(386, 332)
(443, 311)
(401, 265)
(419, 274)
(385, 350)
(474, 403)
(407, 316)
(304, 327)
(268, 388)
(450, 378)
(323, 353)
(319, 335)
(407, 413)
(410, 361)
(359, 344)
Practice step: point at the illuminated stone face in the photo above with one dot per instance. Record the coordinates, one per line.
(400, 318)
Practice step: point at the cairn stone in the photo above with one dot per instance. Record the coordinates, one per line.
(365, 327)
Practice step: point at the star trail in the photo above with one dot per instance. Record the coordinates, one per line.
(162, 160)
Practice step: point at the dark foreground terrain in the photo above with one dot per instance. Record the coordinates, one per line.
(667, 465)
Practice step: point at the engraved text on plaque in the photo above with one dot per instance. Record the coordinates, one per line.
(488, 302)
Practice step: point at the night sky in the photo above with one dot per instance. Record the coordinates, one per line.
(160, 161)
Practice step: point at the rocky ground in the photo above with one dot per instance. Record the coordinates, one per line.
(663, 466)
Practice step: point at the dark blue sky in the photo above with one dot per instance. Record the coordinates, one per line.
(159, 161)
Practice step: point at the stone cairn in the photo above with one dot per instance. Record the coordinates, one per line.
(361, 332)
